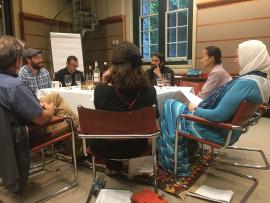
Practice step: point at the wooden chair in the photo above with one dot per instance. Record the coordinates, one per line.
(245, 116)
(49, 140)
(98, 124)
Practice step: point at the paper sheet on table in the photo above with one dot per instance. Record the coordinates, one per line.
(213, 194)
(114, 196)
(192, 97)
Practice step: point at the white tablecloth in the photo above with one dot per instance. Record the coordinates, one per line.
(75, 96)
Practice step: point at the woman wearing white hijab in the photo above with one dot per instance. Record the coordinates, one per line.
(253, 60)
(252, 85)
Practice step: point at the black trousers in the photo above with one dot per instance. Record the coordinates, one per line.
(120, 149)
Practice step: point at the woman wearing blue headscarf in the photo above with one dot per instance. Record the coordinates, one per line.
(253, 61)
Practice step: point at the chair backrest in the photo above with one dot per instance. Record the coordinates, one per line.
(141, 121)
(245, 111)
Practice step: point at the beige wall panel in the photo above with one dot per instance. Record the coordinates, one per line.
(102, 9)
(91, 45)
(47, 8)
(227, 47)
(234, 30)
(236, 11)
(105, 30)
(115, 7)
(104, 43)
(37, 42)
(33, 27)
(100, 31)
(114, 28)
(96, 55)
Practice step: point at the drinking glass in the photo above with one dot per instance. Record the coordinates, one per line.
(78, 79)
(89, 80)
(160, 81)
(168, 79)
(68, 81)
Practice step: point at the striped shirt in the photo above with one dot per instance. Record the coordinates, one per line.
(39, 81)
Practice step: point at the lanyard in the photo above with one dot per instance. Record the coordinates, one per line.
(129, 104)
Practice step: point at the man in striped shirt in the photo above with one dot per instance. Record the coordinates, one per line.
(33, 73)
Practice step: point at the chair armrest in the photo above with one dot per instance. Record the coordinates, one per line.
(207, 122)
(54, 120)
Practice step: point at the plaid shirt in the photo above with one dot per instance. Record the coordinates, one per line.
(39, 81)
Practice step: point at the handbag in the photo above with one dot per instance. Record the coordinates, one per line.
(147, 196)
(194, 72)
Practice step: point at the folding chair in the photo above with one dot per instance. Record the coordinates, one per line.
(49, 140)
(99, 124)
(245, 116)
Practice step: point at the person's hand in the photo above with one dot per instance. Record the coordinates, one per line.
(157, 71)
(191, 107)
(105, 75)
(49, 107)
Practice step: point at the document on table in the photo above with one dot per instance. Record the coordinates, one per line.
(114, 196)
(212, 194)
(192, 97)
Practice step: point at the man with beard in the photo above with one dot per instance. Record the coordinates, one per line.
(32, 73)
(158, 69)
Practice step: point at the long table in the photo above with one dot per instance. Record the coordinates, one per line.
(75, 96)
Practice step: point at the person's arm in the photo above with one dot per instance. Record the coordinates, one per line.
(155, 101)
(172, 78)
(59, 78)
(242, 90)
(151, 75)
(82, 77)
(157, 72)
(46, 114)
(211, 84)
(26, 106)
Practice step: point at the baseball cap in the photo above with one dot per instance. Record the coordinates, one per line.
(29, 52)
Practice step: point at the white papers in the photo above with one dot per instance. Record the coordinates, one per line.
(114, 196)
(212, 194)
(192, 97)
(64, 45)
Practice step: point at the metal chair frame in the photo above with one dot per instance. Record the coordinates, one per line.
(41, 166)
(151, 136)
(229, 126)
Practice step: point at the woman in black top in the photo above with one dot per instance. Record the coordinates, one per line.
(125, 87)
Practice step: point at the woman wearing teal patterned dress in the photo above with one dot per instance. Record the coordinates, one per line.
(253, 60)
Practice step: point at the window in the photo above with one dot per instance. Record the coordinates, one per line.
(149, 28)
(176, 30)
(164, 26)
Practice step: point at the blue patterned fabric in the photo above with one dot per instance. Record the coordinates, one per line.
(165, 142)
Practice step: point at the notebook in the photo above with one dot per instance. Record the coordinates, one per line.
(192, 97)
(212, 194)
(113, 196)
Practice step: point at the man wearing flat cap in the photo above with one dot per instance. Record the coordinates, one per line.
(33, 73)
